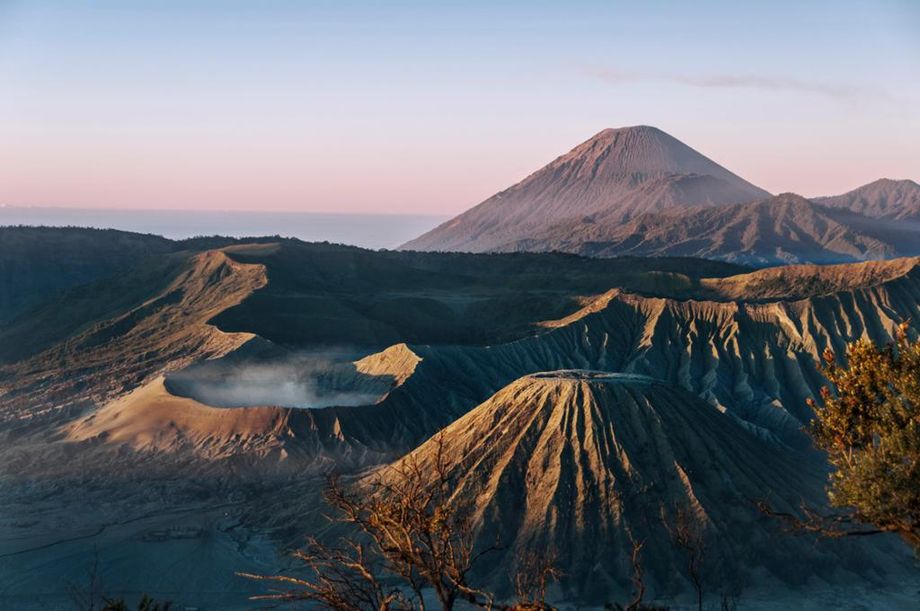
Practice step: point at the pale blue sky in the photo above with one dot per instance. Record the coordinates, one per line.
(425, 106)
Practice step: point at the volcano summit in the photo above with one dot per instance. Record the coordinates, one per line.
(612, 177)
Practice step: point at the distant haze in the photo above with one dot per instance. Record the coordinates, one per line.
(430, 107)
(365, 230)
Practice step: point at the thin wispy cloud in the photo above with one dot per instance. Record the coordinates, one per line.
(835, 91)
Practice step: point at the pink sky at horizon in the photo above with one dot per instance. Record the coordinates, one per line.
(425, 182)
(347, 107)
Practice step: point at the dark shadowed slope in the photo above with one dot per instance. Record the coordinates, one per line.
(38, 262)
(616, 175)
(580, 465)
(327, 294)
(105, 339)
(781, 230)
(882, 199)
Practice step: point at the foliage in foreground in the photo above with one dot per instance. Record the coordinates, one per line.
(869, 425)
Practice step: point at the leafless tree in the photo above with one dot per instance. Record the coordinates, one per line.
(689, 534)
(534, 574)
(729, 599)
(409, 537)
(809, 520)
(87, 596)
(90, 596)
(638, 577)
(342, 578)
(638, 580)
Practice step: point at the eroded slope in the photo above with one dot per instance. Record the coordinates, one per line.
(129, 331)
(585, 464)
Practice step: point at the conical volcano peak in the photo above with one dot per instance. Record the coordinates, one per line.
(640, 134)
(635, 131)
(613, 176)
(582, 463)
(641, 151)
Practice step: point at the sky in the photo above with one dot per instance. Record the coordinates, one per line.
(430, 107)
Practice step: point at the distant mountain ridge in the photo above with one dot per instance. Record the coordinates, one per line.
(638, 191)
(784, 229)
(882, 199)
(614, 176)
(38, 262)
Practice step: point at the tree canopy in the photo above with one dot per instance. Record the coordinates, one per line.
(868, 422)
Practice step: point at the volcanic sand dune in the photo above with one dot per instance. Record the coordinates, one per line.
(582, 464)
